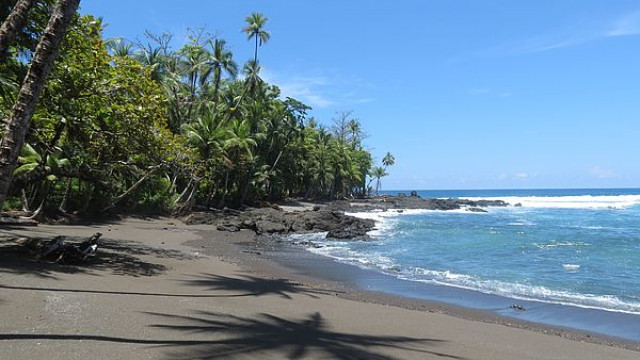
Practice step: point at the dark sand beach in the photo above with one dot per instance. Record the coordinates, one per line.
(161, 289)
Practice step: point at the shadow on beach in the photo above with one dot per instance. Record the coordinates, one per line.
(247, 285)
(252, 286)
(229, 336)
(116, 257)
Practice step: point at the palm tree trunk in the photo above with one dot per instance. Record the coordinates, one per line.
(255, 56)
(43, 58)
(16, 20)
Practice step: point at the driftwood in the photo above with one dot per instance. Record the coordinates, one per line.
(13, 221)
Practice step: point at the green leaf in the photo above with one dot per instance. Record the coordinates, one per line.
(25, 168)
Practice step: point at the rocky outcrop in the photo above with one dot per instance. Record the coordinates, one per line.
(271, 221)
(415, 202)
(330, 219)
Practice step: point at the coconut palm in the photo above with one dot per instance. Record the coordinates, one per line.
(253, 80)
(388, 160)
(20, 120)
(355, 132)
(255, 29)
(119, 47)
(378, 173)
(207, 135)
(12, 24)
(222, 60)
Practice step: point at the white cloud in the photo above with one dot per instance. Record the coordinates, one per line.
(319, 91)
(601, 173)
(309, 90)
(522, 175)
(626, 25)
(489, 91)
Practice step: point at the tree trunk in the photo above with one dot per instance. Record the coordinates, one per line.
(255, 57)
(132, 188)
(43, 58)
(25, 201)
(16, 20)
(65, 198)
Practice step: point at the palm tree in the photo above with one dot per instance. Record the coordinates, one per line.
(119, 47)
(155, 58)
(355, 132)
(16, 20)
(22, 112)
(207, 135)
(222, 60)
(378, 173)
(240, 147)
(196, 68)
(255, 29)
(253, 80)
(388, 160)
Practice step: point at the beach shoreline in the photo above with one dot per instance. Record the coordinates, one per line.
(171, 277)
(322, 273)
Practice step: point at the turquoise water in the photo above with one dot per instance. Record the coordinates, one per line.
(570, 247)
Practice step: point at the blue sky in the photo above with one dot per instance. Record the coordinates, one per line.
(467, 94)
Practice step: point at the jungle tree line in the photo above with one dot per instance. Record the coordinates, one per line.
(137, 125)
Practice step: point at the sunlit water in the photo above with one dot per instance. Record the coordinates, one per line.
(573, 247)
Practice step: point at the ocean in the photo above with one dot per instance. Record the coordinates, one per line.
(575, 247)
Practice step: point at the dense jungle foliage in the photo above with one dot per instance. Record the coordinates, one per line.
(144, 126)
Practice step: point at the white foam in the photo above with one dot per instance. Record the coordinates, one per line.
(570, 202)
(524, 291)
(571, 267)
(340, 251)
(560, 244)
(383, 218)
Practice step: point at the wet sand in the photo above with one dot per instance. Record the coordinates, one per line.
(163, 290)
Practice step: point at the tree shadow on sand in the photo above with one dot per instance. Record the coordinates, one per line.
(233, 337)
(119, 258)
(251, 337)
(252, 286)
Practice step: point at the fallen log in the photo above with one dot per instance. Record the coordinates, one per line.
(12, 221)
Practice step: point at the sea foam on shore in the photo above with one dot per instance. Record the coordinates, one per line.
(574, 250)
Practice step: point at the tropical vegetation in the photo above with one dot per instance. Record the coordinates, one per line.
(135, 126)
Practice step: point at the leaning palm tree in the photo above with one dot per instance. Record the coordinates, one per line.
(378, 173)
(22, 112)
(255, 29)
(14, 22)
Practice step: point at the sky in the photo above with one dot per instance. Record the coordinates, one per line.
(466, 94)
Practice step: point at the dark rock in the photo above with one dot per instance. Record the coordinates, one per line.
(201, 218)
(486, 203)
(331, 218)
(269, 227)
(518, 205)
(230, 228)
(340, 205)
(478, 210)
